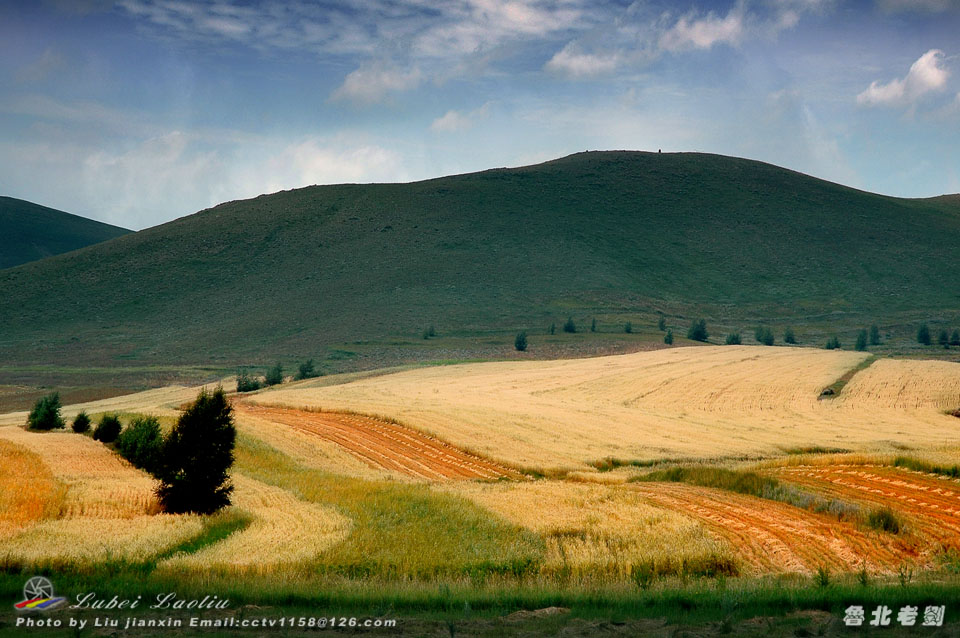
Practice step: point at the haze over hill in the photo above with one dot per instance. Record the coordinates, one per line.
(619, 235)
(29, 232)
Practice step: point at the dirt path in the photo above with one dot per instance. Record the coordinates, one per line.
(384, 445)
(775, 537)
(932, 502)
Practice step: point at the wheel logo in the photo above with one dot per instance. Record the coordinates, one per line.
(38, 595)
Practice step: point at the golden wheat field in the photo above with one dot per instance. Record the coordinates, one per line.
(700, 402)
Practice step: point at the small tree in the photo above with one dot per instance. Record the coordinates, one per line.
(429, 332)
(733, 339)
(81, 423)
(520, 342)
(923, 334)
(628, 327)
(306, 371)
(141, 443)
(569, 326)
(45, 414)
(698, 330)
(553, 329)
(955, 338)
(274, 375)
(661, 323)
(108, 429)
(833, 343)
(197, 456)
(861, 344)
(668, 338)
(593, 325)
(944, 338)
(246, 383)
(765, 336)
(874, 335)
(789, 337)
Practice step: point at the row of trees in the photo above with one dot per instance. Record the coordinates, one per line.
(274, 376)
(945, 338)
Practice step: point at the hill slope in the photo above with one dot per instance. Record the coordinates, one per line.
(29, 232)
(606, 233)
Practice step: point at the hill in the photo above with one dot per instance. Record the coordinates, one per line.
(618, 235)
(29, 232)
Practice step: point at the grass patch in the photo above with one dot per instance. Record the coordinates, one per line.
(215, 529)
(833, 390)
(814, 449)
(884, 519)
(911, 463)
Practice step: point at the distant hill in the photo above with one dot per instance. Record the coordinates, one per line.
(618, 235)
(29, 232)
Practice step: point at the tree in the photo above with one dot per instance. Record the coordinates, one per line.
(628, 327)
(764, 336)
(733, 339)
(861, 344)
(944, 338)
(789, 337)
(593, 325)
(246, 383)
(668, 338)
(923, 334)
(108, 429)
(45, 414)
(306, 371)
(141, 443)
(553, 329)
(429, 332)
(569, 326)
(662, 323)
(520, 342)
(698, 330)
(274, 375)
(955, 338)
(874, 335)
(197, 456)
(81, 423)
(833, 343)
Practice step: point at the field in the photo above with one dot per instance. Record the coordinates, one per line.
(531, 477)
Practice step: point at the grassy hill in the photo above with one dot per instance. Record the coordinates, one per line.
(616, 235)
(29, 232)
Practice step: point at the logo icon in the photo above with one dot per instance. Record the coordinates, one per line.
(38, 595)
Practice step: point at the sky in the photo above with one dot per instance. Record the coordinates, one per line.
(137, 112)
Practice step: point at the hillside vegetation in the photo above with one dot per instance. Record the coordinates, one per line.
(29, 232)
(619, 235)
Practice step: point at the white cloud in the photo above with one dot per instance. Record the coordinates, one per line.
(453, 121)
(329, 161)
(925, 75)
(370, 84)
(573, 62)
(692, 32)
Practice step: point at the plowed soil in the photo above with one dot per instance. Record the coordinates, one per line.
(385, 445)
(775, 537)
(932, 503)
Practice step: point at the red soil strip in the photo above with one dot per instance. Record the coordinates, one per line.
(384, 445)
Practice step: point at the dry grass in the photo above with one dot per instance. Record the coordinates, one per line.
(28, 491)
(597, 528)
(677, 403)
(285, 530)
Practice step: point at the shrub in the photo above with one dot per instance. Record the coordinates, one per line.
(246, 383)
(628, 327)
(874, 335)
(81, 423)
(45, 414)
(733, 339)
(662, 323)
(668, 338)
(833, 343)
(822, 577)
(955, 338)
(274, 375)
(520, 342)
(698, 330)
(884, 519)
(306, 371)
(944, 338)
(553, 329)
(141, 443)
(923, 334)
(108, 429)
(197, 456)
(764, 336)
(861, 344)
(429, 332)
(789, 337)
(593, 325)
(569, 326)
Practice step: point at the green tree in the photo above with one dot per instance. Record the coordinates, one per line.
(197, 456)
(246, 383)
(45, 414)
(108, 429)
(764, 336)
(274, 375)
(668, 338)
(923, 334)
(569, 326)
(593, 325)
(698, 330)
(81, 423)
(141, 443)
(874, 335)
(628, 327)
(789, 337)
(833, 343)
(861, 344)
(944, 338)
(733, 339)
(306, 371)
(955, 338)
(520, 342)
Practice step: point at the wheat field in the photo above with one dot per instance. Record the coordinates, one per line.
(28, 490)
(694, 402)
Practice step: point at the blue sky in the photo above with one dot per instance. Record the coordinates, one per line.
(140, 111)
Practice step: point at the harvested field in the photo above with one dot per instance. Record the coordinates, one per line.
(697, 402)
(284, 530)
(932, 503)
(775, 537)
(599, 529)
(384, 445)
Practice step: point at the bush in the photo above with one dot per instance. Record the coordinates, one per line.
(520, 342)
(832, 344)
(662, 323)
(306, 371)
(884, 519)
(923, 334)
(108, 429)
(197, 456)
(698, 330)
(569, 326)
(628, 327)
(789, 337)
(429, 332)
(274, 375)
(955, 338)
(944, 338)
(874, 335)
(553, 329)
(668, 338)
(81, 423)
(141, 443)
(246, 383)
(764, 336)
(861, 344)
(45, 414)
(733, 339)
(593, 325)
